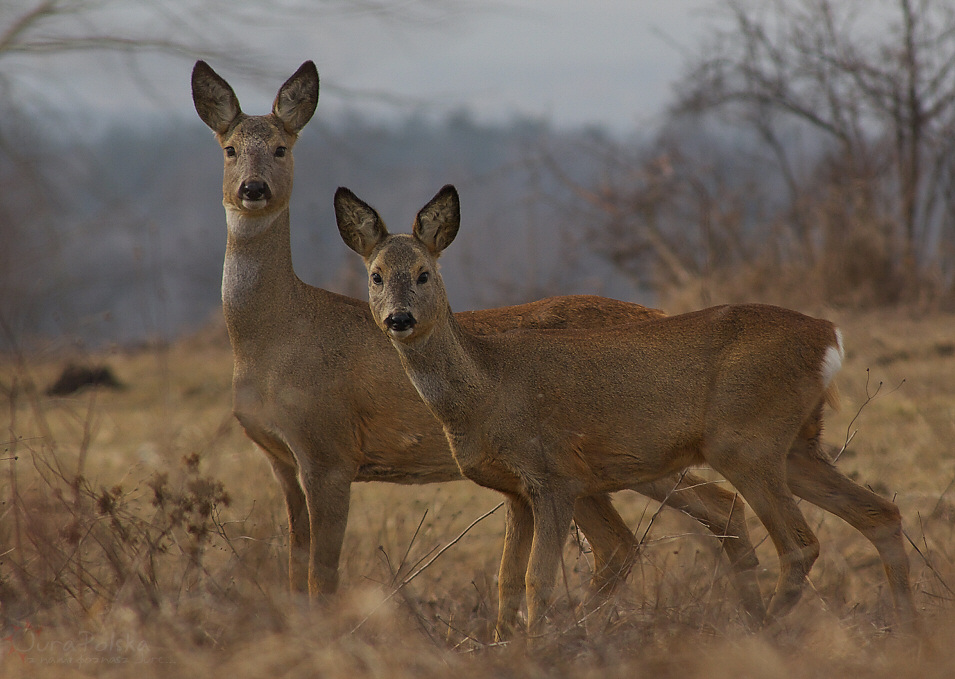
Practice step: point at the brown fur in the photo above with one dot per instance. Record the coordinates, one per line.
(547, 416)
(323, 394)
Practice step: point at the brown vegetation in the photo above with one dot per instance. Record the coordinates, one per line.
(121, 548)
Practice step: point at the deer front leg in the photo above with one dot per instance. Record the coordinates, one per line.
(518, 537)
(327, 494)
(286, 472)
(298, 529)
(553, 512)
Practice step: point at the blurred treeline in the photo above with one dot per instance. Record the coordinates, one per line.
(807, 158)
(123, 239)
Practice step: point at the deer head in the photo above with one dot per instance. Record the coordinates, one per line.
(257, 177)
(405, 289)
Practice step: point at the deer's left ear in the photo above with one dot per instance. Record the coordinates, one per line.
(437, 222)
(358, 223)
(297, 98)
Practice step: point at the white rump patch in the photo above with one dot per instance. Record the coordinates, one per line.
(832, 360)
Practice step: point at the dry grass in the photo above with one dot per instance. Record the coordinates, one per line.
(142, 533)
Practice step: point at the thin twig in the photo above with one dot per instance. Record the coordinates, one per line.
(418, 572)
(663, 504)
(868, 399)
(411, 542)
(452, 628)
(14, 491)
(925, 558)
(722, 538)
(940, 497)
(451, 544)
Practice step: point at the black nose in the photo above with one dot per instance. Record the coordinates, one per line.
(255, 190)
(400, 321)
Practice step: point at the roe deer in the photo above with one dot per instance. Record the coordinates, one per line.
(321, 391)
(547, 416)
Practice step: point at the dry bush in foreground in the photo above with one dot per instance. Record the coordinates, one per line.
(140, 534)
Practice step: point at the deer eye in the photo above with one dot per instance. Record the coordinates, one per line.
(423, 277)
(280, 151)
(376, 278)
(230, 151)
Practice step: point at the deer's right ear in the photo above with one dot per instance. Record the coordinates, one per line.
(358, 223)
(215, 101)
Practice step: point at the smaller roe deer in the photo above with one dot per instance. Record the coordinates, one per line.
(547, 416)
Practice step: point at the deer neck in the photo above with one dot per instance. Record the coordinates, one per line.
(258, 282)
(446, 371)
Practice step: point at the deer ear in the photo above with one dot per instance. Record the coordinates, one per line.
(358, 223)
(215, 101)
(437, 223)
(297, 98)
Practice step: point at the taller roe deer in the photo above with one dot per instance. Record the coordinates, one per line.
(548, 416)
(321, 391)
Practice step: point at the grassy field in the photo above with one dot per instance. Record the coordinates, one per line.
(143, 534)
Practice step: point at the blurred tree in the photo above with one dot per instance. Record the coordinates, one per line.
(876, 79)
(672, 214)
(842, 116)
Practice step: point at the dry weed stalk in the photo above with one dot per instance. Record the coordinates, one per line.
(78, 556)
(76, 547)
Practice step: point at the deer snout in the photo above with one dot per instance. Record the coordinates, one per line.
(400, 322)
(255, 193)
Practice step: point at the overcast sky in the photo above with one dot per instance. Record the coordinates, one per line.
(571, 62)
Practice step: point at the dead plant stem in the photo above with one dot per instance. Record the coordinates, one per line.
(418, 572)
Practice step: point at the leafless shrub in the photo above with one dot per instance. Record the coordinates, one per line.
(76, 546)
(808, 155)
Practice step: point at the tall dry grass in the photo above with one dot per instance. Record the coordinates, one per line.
(141, 533)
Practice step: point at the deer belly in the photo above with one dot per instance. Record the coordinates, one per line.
(608, 468)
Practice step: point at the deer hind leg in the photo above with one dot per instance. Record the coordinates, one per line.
(553, 512)
(815, 479)
(614, 547)
(724, 514)
(759, 475)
